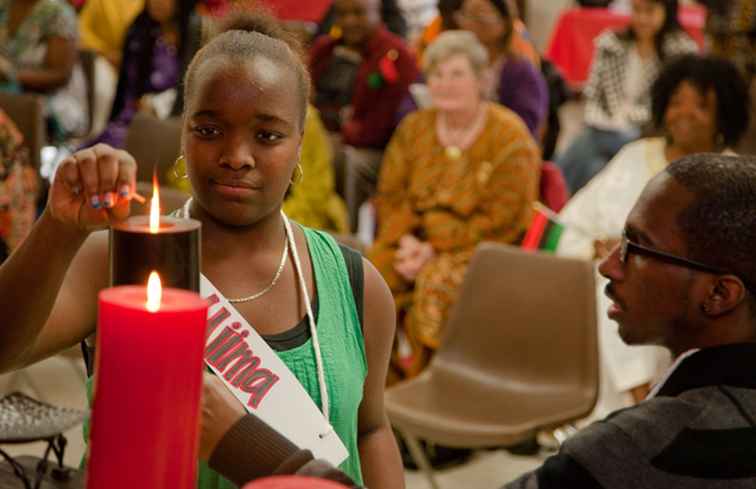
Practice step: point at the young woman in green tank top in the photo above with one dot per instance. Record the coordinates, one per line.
(245, 100)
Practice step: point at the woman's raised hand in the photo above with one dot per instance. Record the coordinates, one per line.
(92, 188)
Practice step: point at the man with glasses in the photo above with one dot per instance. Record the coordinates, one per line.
(683, 278)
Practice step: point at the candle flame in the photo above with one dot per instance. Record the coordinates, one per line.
(155, 205)
(154, 292)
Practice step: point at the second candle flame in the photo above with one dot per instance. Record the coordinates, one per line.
(155, 205)
(154, 292)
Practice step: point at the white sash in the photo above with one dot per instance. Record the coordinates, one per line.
(262, 382)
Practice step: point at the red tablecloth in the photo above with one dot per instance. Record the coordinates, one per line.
(571, 45)
(306, 10)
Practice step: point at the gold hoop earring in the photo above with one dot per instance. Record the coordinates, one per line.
(298, 174)
(180, 162)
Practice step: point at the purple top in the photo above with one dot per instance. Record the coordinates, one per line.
(521, 88)
(164, 75)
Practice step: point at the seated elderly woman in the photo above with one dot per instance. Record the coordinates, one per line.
(38, 54)
(515, 81)
(454, 175)
(701, 105)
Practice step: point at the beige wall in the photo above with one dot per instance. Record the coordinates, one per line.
(542, 15)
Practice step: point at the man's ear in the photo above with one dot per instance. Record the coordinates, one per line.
(726, 293)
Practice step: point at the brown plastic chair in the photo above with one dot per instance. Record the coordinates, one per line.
(153, 142)
(520, 354)
(27, 112)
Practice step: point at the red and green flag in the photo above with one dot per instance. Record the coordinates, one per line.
(544, 232)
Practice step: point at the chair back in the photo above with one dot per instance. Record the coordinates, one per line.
(87, 59)
(27, 112)
(155, 143)
(553, 192)
(524, 321)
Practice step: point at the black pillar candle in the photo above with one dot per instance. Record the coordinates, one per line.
(173, 251)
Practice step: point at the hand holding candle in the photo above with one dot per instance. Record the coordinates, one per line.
(150, 344)
(141, 244)
(92, 188)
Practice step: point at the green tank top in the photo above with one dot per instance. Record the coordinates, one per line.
(342, 348)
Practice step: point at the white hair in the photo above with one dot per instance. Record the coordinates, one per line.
(452, 43)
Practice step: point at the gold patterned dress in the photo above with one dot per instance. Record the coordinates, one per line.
(453, 200)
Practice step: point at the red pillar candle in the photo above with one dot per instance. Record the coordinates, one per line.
(145, 414)
(293, 482)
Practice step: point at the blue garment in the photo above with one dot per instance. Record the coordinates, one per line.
(589, 152)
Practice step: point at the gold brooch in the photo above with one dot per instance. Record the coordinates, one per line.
(453, 152)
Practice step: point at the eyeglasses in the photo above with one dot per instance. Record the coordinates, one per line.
(627, 247)
(462, 17)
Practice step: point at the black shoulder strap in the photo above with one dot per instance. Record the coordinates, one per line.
(353, 261)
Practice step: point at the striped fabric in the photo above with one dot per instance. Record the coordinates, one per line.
(544, 232)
